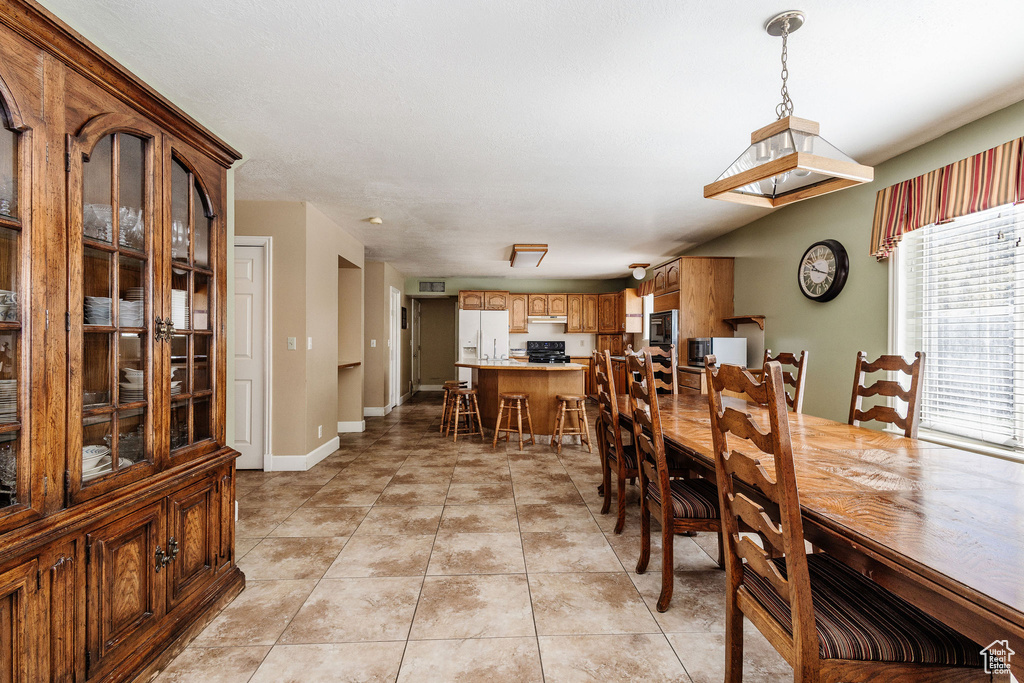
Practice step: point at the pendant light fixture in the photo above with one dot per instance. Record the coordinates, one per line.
(787, 160)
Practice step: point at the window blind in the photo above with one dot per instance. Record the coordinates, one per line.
(962, 289)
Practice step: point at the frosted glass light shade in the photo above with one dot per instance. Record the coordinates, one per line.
(786, 162)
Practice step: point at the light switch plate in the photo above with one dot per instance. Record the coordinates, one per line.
(309, 343)
(291, 344)
(373, 343)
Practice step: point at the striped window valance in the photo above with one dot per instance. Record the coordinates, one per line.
(983, 181)
(646, 287)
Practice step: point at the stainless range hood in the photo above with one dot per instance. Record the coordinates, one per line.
(553, 319)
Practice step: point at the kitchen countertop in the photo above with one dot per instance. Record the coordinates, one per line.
(518, 365)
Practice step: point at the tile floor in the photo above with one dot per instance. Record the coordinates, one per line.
(406, 557)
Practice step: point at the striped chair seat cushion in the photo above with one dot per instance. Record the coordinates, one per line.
(859, 620)
(628, 455)
(691, 498)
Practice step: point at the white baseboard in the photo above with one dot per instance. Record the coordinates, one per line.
(431, 387)
(372, 411)
(388, 408)
(404, 398)
(354, 426)
(301, 463)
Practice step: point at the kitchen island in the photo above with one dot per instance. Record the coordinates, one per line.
(542, 381)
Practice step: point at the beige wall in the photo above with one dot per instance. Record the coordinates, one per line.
(768, 249)
(439, 322)
(380, 277)
(306, 247)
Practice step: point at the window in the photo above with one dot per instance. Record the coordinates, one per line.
(648, 308)
(960, 299)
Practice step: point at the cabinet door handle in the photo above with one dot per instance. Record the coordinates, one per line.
(172, 547)
(161, 559)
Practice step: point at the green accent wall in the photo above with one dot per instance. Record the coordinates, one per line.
(767, 252)
(543, 286)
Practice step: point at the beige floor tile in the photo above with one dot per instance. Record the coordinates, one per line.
(213, 665)
(356, 610)
(346, 494)
(318, 476)
(479, 519)
(257, 616)
(698, 600)
(473, 607)
(572, 518)
(317, 521)
(398, 520)
(471, 660)
(476, 554)
(290, 558)
(479, 494)
(703, 655)
(331, 663)
(418, 475)
(244, 545)
(277, 496)
(413, 494)
(569, 604)
(259, 522)
(382, 556)
(610, 659)
(545, 493)
(484, 474)
(563, 551)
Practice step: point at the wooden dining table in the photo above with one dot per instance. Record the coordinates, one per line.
(939, 526)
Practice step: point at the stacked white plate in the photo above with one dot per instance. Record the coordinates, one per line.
(8, 400)
(97, 310)
(175, 388)
(133, 308)
(95, 461)
(179, 309)
(133, 386)
(98, 221)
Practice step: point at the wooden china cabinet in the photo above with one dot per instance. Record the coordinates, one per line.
(116, 486)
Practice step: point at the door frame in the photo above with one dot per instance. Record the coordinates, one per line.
(267, 244)
(395, 351)
(416, 343)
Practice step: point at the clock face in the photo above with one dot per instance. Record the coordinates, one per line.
(823, 270)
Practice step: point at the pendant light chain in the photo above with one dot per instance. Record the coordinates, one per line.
(785, 107)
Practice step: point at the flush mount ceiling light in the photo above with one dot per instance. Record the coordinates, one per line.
(639, 270)
(376, 220)
(787, 161)
(527, 255)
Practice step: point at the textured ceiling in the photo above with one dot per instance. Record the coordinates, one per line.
(591, 125)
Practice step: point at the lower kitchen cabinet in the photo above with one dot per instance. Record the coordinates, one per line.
(19, 610)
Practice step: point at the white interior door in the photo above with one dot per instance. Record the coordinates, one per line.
(395, 346)
(250, 356)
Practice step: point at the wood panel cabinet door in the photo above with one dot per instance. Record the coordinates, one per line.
(19, 651)
(125, 585)
(495, 301)
(590, 314)
(192, 547)
(660, 281)
(538, 304)
(574, 320)
(607, 314)
(517, 312)
(672, 276)
(557, 304)
(471, 300)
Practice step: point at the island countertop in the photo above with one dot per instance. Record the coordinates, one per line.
(518, 365)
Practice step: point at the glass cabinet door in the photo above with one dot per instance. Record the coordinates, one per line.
(192, 285)
(13, 468)
(111, 305)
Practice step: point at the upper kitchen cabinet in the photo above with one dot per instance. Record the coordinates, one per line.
(590, 306)
(558, 304)
(703, 296)
(574, 316)
(517, 314)
(538, 304)
(620, 312)
(471, 300)
(666, 278)
(495, 301)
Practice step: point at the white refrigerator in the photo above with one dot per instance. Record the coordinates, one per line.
(482, 334)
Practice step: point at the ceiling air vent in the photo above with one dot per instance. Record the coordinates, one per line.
(431, 286)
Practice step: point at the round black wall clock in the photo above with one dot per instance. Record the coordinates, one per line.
(823, 270)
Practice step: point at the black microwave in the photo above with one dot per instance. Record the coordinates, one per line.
(664, 328)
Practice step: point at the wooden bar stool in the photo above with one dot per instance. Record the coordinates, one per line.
(520, 401)
(446, 410)
(466, 409)
(568, 403)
